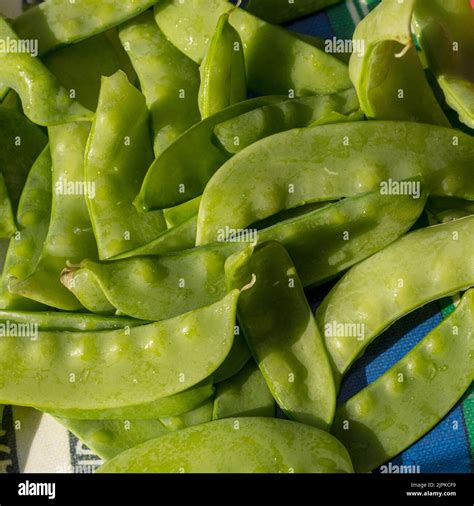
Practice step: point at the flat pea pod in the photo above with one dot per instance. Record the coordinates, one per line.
(402, 277)
(444, 32)
(410, 398)
(388, 74)
(201, 414)
(445, 209)
(243, 445)
(237, 133)
(223, 77)
(7, 220)
(118, 155)
(70, 237)
(44, 100)
(108, 438)
(179, 214)
(178, 175)
(245, 394)
(281, 11)
(277, 61)
(282, 334)
(169, 80)
(307, 165)
(115, 368)
(53, 25)
(236, 359)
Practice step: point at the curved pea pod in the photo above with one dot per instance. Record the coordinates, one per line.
(25, 247)
(245, 394)
(223, 78)
(168, 79)
(448, 208)
(277, 61)
(413, 396)
(387, 72)
(444, 31)
(282, 334)
(118, 155)
(117, 368)
(44, 100)
(235, 360)
(179, 214)
(69, 237)
(244, 445)
(280, 11)
(108, 438)
(201, 414)
(237, 133)
(54, 25)
(178, 175)
(323, 163)
(7, 220)
(402, 277)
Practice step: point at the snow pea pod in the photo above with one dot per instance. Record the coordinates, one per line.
(281, 11)
(235, 360)
(177, 175)
(201, 414)
(282, 334)
(169, 80)
(70, 237)
(448, 208)
(223, 78)
(118, 155)
(444, 31)
(245, 394)
(237, 133)
(7, 220)
(387, 72)
(402, 277)
(177, 215)
(115, 368)
(300, 166)
(413, 396)
(277, 61)
(265, 445)
(44, 100)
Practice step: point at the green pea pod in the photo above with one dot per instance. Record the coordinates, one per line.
(201, 414)
(387, 72)
(168, 79)
(282, 334)
(116, 368)
(237, 133)
(277, 61)
(54, 25)
(411, 397)
(25, 247)
(44, 100)
(300, 166)
(118, 155)
(236, 359)
(178, 175)
(444, 31)
(402, 277)
(223, 78)
(179, 214)
(108, 438)
(7, 220)
(265, 445)
(70, 237)
(446, 209)
(281, 11)
(245, 394)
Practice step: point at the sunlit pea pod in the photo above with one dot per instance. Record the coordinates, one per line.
(70, 237)
(414, 395)
(245, 394)
(201, 414)
(281, 11)
(169, 80)
(25, 247)
(265, 445)
(386, 71)
(237, 133)
(178, 174)
(118, 154)
(44, 100)
(323, 163)
(277, 61)
(7, 220)
(444, 32)
(117, 368)
(54, 24)
(223, 75)
(422, 266)
(282, 334)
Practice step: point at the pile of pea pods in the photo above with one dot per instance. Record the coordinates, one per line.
(163, 228)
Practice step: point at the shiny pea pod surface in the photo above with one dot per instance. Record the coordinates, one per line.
(280, 11)
(410, 398)
(243, 445)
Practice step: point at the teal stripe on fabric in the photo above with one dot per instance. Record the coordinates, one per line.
(341, 21)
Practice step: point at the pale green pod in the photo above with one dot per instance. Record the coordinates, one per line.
(201, 414)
